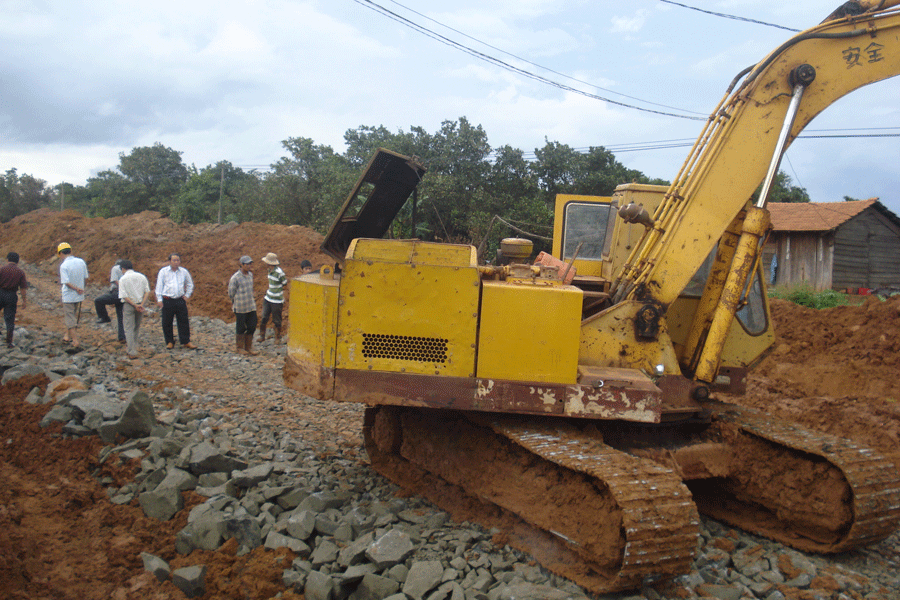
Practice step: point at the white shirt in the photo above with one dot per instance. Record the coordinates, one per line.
(115, 274)
(173, 284)
(133, 286)
(72, 270)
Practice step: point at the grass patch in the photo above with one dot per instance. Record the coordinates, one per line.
(805, 295)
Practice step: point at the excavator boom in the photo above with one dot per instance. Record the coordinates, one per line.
(733, 153)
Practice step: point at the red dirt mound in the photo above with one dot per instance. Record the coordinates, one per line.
(210, 252)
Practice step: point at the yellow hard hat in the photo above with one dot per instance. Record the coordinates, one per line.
(63, 246)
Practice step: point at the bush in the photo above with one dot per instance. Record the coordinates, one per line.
(805, 295)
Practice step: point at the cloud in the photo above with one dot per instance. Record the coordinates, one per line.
(631, 24)
(229, 80)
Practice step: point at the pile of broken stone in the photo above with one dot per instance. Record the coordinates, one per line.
(354, 538)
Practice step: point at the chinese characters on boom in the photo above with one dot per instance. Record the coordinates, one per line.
(852, 56)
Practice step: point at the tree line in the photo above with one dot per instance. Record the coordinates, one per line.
(468, 182)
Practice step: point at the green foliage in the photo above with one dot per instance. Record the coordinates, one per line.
(20, 194)
(783, 191)
(158, 172)
(467, 184)
(805, 295)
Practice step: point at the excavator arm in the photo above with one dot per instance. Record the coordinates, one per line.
(741, 144)
(733, 153)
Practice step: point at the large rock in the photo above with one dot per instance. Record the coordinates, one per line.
(325, 553)
(20, 371)
(278, 540)
(58, 413)
(247, 531)
(423, 576)
(319, 586)
(206, 533)
(178, 479)
(301, 524)
(110, 407)
(355, 553)
(137, 420)
(161, 504)
(165, 447)
(374, 587)
(191, 580)
(206, 458)
(157, 566)
(61, 387)
(391, 548)
(253, 476)
(35, 396)
(322, 501)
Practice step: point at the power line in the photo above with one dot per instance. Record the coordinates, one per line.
(727, 16)
(687, 142)
(525, 60)
(681, 143)
(860, 135)
(794, 171)
(504, 65)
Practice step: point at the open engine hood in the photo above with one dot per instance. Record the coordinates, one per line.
(385, 185)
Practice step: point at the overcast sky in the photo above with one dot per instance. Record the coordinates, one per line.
(83, 82)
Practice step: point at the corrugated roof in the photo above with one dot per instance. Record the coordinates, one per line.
(817, 216)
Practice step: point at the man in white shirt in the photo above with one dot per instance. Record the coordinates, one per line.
(73, 273)
(134, 291)
(174, 287)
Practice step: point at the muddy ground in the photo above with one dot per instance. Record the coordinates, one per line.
(833, 370)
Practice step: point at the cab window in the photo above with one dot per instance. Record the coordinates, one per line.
(752, 315)
(588, 224)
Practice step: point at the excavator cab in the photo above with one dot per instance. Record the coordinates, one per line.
(588, 235)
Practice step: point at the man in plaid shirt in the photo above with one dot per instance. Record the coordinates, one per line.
(240, 290)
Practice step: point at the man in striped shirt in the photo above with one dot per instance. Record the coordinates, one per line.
(274, 300)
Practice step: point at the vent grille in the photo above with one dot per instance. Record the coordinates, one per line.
(404, 347)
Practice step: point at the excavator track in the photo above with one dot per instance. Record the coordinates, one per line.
(598, 516)
(806, 489)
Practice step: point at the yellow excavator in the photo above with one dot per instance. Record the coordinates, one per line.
(571, 397)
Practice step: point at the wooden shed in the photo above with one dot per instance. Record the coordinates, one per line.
(834, 245)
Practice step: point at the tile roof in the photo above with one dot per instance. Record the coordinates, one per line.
(815, 216)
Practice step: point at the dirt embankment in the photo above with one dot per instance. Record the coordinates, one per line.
(210, 252)
(835, 370)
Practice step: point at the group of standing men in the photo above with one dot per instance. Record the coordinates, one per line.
(243, 302)
(130, 293)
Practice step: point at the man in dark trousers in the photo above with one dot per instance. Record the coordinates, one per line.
(174, 287)
(12, 279)
(240, 291)
(111, 297)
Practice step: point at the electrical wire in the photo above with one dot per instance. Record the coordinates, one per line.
(525, 60)
(727, 16)
(504, 65)
(794, 171)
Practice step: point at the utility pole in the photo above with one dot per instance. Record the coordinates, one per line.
(221, 188)
(62, 199)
